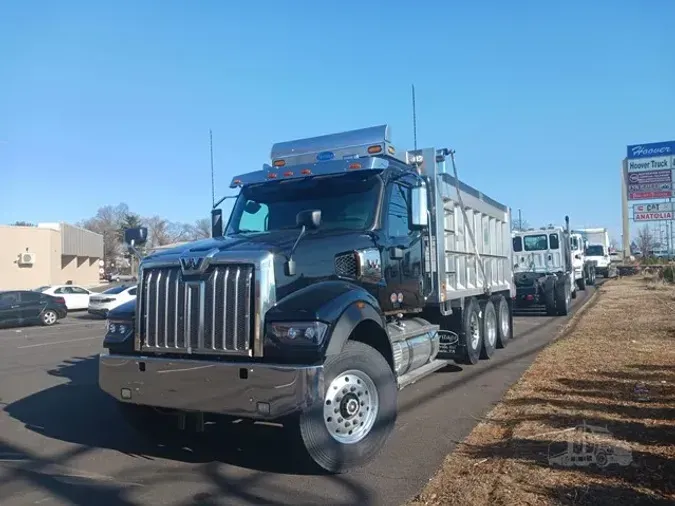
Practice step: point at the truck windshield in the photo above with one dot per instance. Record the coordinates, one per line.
(535, 242)
(595, 251)
(346, 201)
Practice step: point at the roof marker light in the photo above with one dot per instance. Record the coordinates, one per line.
(279, 163)
(375, 149)
(272, 175)
(306, 172)
(353, 166)
(288, 173)
(236, 181)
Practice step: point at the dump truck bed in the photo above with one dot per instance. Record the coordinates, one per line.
(456, 264)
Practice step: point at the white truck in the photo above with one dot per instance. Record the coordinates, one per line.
(584, 269)
(597, 248)
(543, 271)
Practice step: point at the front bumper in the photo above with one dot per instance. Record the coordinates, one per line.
(247, 390)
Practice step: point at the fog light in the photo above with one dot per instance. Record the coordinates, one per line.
(263, 408)
(126, 393)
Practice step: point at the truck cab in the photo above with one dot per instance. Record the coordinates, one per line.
(599, 253)
(543, 269)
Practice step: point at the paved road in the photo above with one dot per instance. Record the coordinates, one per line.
(62, 442)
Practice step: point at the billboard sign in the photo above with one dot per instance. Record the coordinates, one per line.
(648, 195)
(660, 207)
(649, 187)
(649, 177)
(645, 164)
(651, 150)
(655, 216)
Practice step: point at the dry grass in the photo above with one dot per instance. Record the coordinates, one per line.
(615, 368)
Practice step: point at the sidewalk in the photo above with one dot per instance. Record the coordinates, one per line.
(591, 422)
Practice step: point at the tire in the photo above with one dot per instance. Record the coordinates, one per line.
(504, 321)
(471, 338)
(488, 323)
(582, 282)
(573, 293)
(49, 317)
(562, 298)
(591, 278)
(549, 296)
(333, 443)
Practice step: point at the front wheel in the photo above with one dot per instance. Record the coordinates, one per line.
(358, 413)
(582, 282)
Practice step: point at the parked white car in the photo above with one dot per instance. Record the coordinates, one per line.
(100, 304)
(76, 297)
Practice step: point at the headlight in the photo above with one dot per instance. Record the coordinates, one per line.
(299, 333)
(118, 328)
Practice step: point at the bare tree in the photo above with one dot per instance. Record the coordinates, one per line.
(23, 224)
(517, 224)
(202, 228)
(645, 241)
(107, 222)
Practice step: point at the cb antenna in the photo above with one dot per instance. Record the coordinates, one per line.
(414, 118)
(213, 180)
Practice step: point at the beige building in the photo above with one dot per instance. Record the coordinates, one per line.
(49, 254)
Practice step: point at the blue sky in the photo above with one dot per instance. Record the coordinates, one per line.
(108, 102)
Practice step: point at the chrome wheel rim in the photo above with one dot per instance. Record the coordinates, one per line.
(350, 406)
(474, 324)
(491, 328)
(50, 317)
(504, 318)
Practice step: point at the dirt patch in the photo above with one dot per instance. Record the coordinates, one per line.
(591, 422)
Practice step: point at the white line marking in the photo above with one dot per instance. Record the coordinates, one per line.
(60, 342)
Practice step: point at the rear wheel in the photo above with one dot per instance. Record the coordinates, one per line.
(49, 317)
(358, 413)
(549, 295)
(472, 335)
(488, 329)
(562, 297)
(504, 331)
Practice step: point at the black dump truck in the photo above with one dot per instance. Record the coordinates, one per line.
(347, 271)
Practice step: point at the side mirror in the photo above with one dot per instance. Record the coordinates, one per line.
(216, 223)
(136, 236)
(310, 219)
(419, 206)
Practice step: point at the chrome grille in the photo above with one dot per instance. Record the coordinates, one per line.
(211, 314)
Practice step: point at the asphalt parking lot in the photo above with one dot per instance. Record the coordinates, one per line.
(63, 443)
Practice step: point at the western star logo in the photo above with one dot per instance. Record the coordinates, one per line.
(192, 263)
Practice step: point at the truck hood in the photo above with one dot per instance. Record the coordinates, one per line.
(314, 257)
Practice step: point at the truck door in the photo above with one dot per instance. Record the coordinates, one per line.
(404, 250)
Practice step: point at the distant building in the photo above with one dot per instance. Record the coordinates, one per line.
(51, 253)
